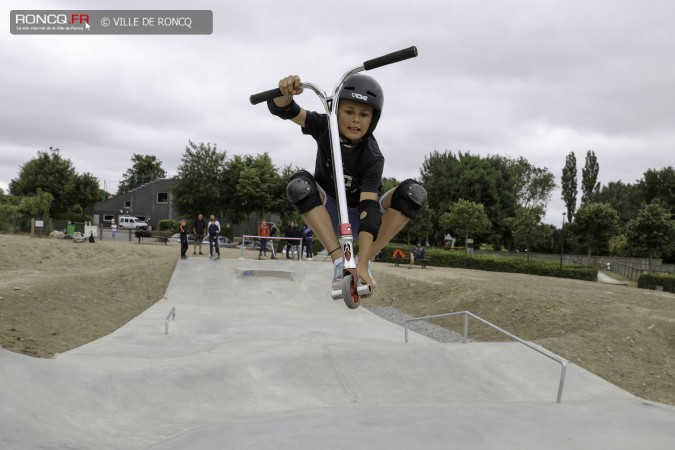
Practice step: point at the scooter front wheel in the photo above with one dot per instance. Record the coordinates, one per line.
(349, 294)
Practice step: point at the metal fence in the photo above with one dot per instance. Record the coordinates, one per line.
(630, 268)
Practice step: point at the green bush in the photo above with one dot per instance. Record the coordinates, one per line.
(169, 224)
(650, 281)
(443, 258)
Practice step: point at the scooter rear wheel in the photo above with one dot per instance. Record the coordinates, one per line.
(349, 295)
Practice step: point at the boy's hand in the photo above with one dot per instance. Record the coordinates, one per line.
(290, 85)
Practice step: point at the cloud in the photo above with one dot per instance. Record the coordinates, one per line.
(515, 78)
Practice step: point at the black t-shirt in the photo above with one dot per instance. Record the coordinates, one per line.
(199, 226)
(362, 166)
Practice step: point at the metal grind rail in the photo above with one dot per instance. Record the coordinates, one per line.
(172, 314)
(467, 314)
(252, 238)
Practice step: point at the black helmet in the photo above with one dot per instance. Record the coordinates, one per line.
(364, 89)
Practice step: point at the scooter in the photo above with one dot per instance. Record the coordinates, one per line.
(351, 291)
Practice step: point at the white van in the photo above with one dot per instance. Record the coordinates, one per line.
(131, 223)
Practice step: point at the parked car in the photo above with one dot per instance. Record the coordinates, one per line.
(250, 245)
(223, 242)
(175, 239)
(131, 223)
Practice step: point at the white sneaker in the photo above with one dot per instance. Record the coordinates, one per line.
(337, 274)
(372, 278)
(308, 259)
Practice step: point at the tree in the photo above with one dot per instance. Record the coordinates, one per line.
(527, 229)
(595, 224)
(466, 218)
(659, 185)
(252, 185)
(569, 185)
(487, 181)
(589, 176)
(280, 204)
(36, 206)
(198, 186)
(84, 193)
(144, 169)
(252, 192)
(618, 245)
(421, 227)
(51, 173)
(625, 198)
(533, 185)
(651, 233)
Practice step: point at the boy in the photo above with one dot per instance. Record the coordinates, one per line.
(308, 236)
(375, 217)
(182, 229)
(263, 233)
(214, 230)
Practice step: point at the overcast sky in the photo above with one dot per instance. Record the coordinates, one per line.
(536, 78)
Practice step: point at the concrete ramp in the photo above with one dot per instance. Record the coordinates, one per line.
(485, 426)
(259, 356)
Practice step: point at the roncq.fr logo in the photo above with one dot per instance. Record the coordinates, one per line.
(51, 19)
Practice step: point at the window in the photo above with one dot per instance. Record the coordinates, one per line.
(127, 204)
(162, 197)
(108, 217)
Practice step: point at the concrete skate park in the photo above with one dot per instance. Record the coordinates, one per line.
(259, 357)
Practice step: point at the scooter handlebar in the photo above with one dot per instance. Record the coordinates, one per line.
(374, 63)
(264, 96)
(390, 58)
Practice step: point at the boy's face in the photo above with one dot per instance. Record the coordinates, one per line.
(354, 119)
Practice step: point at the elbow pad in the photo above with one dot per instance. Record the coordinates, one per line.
(370, 217)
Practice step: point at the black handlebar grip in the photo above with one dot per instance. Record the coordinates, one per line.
(264, 96)
(391, 58)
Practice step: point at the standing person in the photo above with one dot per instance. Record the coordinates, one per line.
(199, 227)
(214, 231)
(293, 246)
(287, 234)
(375, 217)
(281, 232)
(182, 229)
(308, 235)
(416, 253)
(113, 226)
(274, 229)
(263, 233)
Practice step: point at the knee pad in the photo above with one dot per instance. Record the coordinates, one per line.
(370, 217)
(408, 198)
(302, 191)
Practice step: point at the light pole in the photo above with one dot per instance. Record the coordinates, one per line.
(562, 242)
